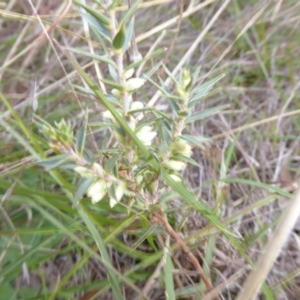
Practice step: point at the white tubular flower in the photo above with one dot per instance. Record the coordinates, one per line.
(132, 122)
(139, 179)
(128, 73)
(107, 115)
(134, 83)
(120, 189)
(146, 135)
(175, 177)
(175, 165)
(182, 147)
(98, 169)
(186, 78)
(112, 202)
(84, 172)
(97, 190)
(116, 93)
(119, 192)
(136, 105)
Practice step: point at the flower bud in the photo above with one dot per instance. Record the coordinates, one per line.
(134, 83)
(182, 147)
(84, 172)
(107, 115)
(186, 79)
(146, 135)
(181, 92)
(97, 190)
(116, 93)
(176, 178)
(98, 169)
(128, 74)
(136, 105)
(175, 165)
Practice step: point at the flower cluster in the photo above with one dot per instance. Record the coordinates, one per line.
(104, 184)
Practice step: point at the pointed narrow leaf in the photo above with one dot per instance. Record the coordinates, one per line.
(80, 142)
(130, 12)
(113, 84)
(168, 272)
(82, 189)
(115, 4)
(111, 162)
(201, 91)
(149, 73)
(98, 27)
(54, 162)
(198, 141)
(128, 35)
(186, 159)
(119, 39)
(196, 74)
(206, 113)
(171, 75)
(144, 59)
(102, 19)
(102, 58)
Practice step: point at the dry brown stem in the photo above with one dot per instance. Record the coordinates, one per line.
(159, 218)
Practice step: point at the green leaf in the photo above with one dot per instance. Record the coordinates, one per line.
(128, 35)
(115, 4)
(113, 84)
(171, 76)
(111, 162)
(206, 113)
(83, 89)
(149, 73)
(54, 162)
(196, 74)
(164, 91)
(98, 27)
(101, 19)
(130, 12)
(185, 159)
(102, 58)
(168, 274)
(120, 38)
(200, 92)
(80, 142)
(105, 124)
(198, 141)
(82, 189)
(113, 72)
(144, 59)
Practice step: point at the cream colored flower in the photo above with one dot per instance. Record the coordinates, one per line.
(97, 190)
(176, 178)
(175, 165)
(84, 172)
(108, 115)
(116, 93)
(112, 202)
(146, 135)
(136, 105)
(128, 73)
(134, 83)
(119, 193)
(182, 147)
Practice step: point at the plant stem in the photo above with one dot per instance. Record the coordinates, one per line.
(159, 218)
(119, 59)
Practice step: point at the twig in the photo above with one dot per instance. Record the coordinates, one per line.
(159, 218)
